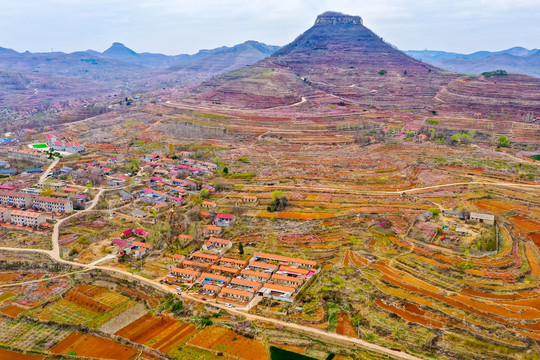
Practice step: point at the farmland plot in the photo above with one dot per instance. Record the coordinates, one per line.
(161, 333)
(229, 343)
(93, 346)
(11, 355)
(27, 336)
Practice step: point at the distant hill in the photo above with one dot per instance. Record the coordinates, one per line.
(225, 60)
(119, 67)
(516, 60)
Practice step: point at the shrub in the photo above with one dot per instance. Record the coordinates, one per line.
(435, 211)
(503, 141)
(495, 73)
(382, 72)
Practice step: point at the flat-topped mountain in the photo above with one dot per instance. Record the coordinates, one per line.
(339, 60)
(338, 56)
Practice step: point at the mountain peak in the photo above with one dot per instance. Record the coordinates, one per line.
(334, 18)
(119, 49)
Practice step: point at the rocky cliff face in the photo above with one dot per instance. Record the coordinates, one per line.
(334, 18)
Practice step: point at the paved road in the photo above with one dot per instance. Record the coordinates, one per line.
(43, 176)
(55, 254)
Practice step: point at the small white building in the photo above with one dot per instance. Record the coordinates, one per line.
(483, 218)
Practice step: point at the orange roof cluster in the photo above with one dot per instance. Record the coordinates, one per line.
(213, 228)
(284, 259)
(286, 278)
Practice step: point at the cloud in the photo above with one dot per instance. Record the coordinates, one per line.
(180, 26)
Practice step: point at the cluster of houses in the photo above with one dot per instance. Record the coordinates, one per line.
(236, 281)
(130, 246)
(164, 186)
(487, 219)
(27, 208)
(55, 144)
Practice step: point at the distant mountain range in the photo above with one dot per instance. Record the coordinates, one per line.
(516, 60)
(116, 68)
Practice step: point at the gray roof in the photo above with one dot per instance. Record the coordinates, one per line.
(451, 212)
(482, 216)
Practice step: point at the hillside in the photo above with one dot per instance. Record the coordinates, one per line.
(340, 61)
(337, 57)
(117, 68)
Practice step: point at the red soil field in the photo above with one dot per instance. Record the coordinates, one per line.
(86, 302)
(521, 295)
(165, 331)
(11, 355)
(93, 346)
(496, 206)
(228, 342)
(344, 326)
(533, 263)
(525, 225)
(411, 316)
(12, 311)
(8, 277)
(535, 238)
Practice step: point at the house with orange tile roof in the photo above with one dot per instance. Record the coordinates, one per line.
(205, 258)
(286, 280)
(277, 292)
(230, 262)
(254, 275)
(272, 258)
(188, 275)
(227, 294)
(224, 270)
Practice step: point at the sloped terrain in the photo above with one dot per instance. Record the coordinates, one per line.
(337, 56)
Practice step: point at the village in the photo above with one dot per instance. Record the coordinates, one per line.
(223, 227)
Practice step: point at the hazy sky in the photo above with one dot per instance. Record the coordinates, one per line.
(185, 26)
